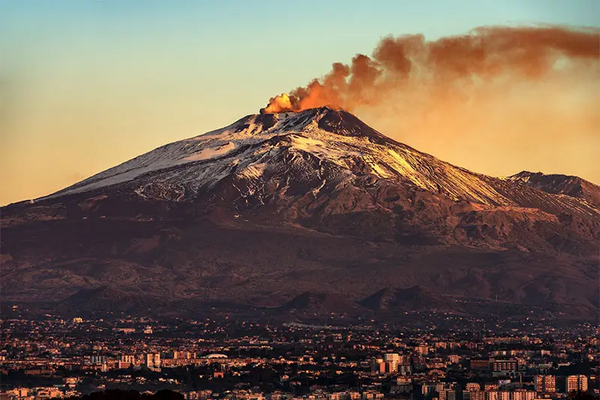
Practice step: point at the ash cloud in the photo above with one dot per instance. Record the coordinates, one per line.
(450, 63)
(496, 100)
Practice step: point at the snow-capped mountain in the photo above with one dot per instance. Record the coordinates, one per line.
(257, 145)
(314, 204)
(324, 149)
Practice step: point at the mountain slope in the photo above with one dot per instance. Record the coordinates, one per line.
(414, 298)
(319, 146)
(277, 205)
(568, 185)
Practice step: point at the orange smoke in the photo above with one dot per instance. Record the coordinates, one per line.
(447, 68)
(279, 104)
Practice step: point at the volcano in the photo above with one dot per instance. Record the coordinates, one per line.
(249, 217)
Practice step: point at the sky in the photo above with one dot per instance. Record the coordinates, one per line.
(86, 85)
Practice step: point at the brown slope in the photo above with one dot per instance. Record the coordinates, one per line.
(568, 185)
(303, 222)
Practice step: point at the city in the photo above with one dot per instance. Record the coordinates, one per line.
(222, 357)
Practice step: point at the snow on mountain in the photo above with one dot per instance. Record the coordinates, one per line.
(255, 140)
(317, 147)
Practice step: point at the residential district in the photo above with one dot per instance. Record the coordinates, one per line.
(442, 357)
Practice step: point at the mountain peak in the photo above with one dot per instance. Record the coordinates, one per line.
(568, 185)
(319, 109)
(336, 121)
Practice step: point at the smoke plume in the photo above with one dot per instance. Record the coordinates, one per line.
(448, 67)
(496, 100)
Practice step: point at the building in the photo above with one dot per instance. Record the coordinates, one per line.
(404, 369)
(447, 394)
(392, 358)
(454, 358)
(504, 395)
(377, 365)
(545, 383)
(388, 364)
(504, 367)
(390, 367)
(153, 360)
(474, 395)
(126, 361)
(430, 389)
(479, 364)
(97, 360)
(522, 394)
(577, 382)
(492, 395)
